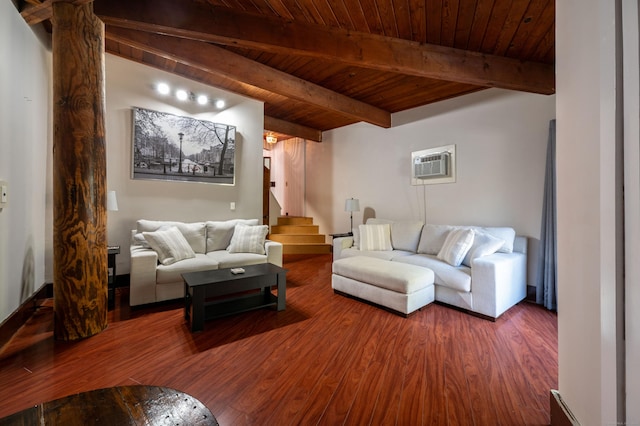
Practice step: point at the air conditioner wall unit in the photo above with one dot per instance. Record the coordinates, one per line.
(431, 166)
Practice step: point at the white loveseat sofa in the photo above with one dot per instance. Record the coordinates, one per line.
(163, 250)
(490, 278)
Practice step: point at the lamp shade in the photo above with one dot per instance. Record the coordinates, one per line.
(112, 201)
(271, 138)
(352, 205)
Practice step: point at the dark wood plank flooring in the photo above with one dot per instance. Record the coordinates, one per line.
(326, 359)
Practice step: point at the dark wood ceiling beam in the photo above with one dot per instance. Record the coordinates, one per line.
(36, 13)
(292, 129)
(220, 61)
(225, 26)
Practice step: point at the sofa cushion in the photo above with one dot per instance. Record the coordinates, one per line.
(405, 235)
(194, 232)
(432, 238)
(379, 254)
(248, 239)
(483, 245)
(224, 259)
(456, 246)
(168, 274)
(219, 233)
(375, 237)
(170, 245)
(504, 233)
(455, 278)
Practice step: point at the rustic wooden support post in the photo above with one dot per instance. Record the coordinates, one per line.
(79, 172)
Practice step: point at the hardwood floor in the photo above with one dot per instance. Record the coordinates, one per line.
(326, 359)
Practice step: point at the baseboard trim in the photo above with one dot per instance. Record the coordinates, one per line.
(561, 415)
(19, 317)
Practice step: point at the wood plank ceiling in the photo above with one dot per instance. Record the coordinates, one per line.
(322, 64)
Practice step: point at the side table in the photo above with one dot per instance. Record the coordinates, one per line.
(112, 252)
(346, 234)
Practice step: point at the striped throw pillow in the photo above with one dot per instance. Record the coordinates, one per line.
(375, 237)
(170, 245)
(248, 239)
(456, 246)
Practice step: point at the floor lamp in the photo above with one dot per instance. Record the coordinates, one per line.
(352, 205)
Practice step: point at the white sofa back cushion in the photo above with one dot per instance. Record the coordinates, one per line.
(432, 238)
(405, 235)
(219, 233)
(194, 232)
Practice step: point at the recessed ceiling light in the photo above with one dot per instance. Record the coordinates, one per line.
(202, 99)
(182, 95)
(163, 88)
(220, 103)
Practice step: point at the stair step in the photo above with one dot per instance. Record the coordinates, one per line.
(298, 238)
(306, 248)
(295, 220)
(295, 229)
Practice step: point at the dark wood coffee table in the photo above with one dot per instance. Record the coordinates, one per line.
(217, 293)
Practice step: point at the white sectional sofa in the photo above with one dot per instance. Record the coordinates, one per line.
(161, 251)
(485, 277)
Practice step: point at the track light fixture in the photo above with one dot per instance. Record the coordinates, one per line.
(186, 95)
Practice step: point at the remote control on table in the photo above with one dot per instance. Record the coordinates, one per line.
(236, 271)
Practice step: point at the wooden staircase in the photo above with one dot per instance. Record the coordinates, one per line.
(299, 235)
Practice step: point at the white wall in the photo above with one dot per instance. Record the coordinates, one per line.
(588, 203)
(130, 84)
(25, 140)
(631, 54)
(500, 137)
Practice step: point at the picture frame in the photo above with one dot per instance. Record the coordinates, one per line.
(179, 148)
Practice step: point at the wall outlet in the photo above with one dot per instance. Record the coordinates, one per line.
(232, 205)
(4, 193)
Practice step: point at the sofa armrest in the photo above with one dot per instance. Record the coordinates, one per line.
(498, 282)
(520, 244)
(144, 262)
(339, 244)
(274, 252)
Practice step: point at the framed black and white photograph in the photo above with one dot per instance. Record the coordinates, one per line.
(171, 147)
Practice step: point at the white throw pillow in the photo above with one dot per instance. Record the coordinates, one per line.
(456, 246)
(194, 232)
(504, 233)
(248, 239)
(170, 245)
(219, 233)
(483, 245)
(138, 240)
(375, 237)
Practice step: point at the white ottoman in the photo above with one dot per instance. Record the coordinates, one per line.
(400, 287)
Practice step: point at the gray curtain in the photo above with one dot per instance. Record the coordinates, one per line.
(546, 289)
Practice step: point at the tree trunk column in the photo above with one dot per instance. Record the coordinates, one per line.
(79, 172)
